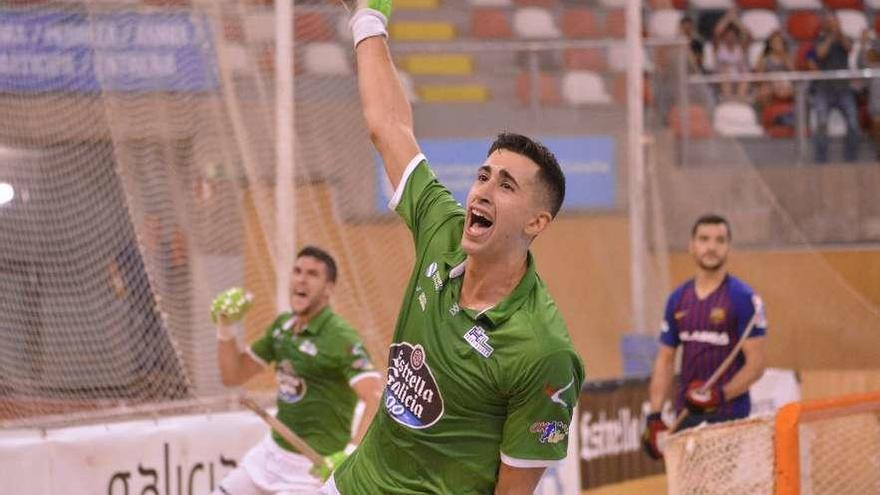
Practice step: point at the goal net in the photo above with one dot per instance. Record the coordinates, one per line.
(817, 447)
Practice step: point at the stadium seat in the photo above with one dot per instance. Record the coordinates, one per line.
(547, 4)
(852, 22)
(736, 119)
(490, 24)
(580, 23)
(699, 125)
(453, 93)
(756, 4)
(490, 3)
(664, 23)
(615, 23)
(669, 4)
(584, 59)
(800, 4)
(326, 58)
(804, 25)
(584, 87)
(548, 89)
(439, 64)
(711, 4)
(877, 24)
(617, 57)
(534, 23)
(421, 31)
(769, 119)
(844, 4)
(756, 49)
(761, 23)
(613, 4)
(312, 26)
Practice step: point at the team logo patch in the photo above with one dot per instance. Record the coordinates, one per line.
(717, 315)
(361, 359)
(549, 431)
(412, 397)
(478, 339)
(291, 387)
(308, 347)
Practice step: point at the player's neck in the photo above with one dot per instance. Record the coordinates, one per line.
(707, 281)
(489, 279)
(303, 319)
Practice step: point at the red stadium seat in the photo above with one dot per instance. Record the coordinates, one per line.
(800, 58)
(877, 23)
(844, 4)
(584, 59)
(312, 26)
(580, 23)
(756, 4)
(548, 89)
(549, 4)
(615, 23)
(490, 24)
(804, 25)
(699, 125)
(769, 115)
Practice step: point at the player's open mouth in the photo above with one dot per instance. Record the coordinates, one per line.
(479, 223)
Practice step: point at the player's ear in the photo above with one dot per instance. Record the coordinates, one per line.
(538, 223)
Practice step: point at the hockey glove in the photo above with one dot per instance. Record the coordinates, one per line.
(231, 305)
(331, 462)
(654, 427)
(703, 401)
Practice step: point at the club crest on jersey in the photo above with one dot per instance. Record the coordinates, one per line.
(549, 431)
(717, 315)
(291, 387)
(412, 397)
(478, 339)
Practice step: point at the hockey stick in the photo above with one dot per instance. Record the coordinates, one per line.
(279, 427)
(720, 370)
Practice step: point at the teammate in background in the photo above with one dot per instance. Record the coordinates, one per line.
(706, 316)
(321, 369)
(482, 376)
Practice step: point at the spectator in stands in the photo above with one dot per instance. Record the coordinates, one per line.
(695, 44)
(775, 58)
(731, 45)
(869, 58)
(832, 53)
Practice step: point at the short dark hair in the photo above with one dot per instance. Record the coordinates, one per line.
(549, 171)
(322, 256)
(712, 219)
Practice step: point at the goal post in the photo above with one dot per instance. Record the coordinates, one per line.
(814, 447)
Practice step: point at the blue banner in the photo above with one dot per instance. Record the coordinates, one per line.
(588, 162)
(43, 51)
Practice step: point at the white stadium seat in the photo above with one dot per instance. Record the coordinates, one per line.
(584, 87)
(735, 119)
(615, 4)
(664, 23)
(711, 4)
(534, 23)
(801, 4)
(761, 23)
(852, 22)
(326, 58)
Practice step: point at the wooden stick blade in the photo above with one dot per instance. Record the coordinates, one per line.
(285, 432)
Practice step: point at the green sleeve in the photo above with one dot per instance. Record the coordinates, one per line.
(422, 201)
(540, 411)
(264, 347)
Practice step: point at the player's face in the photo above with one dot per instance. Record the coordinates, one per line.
(504, 206)
(310, 288)
(710, 245)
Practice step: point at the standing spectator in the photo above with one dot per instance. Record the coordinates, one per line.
(695, 44)
(869, 58)
(775, 58)
(731, 44)
(832, 53)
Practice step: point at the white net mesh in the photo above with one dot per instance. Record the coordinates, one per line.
(841, 455)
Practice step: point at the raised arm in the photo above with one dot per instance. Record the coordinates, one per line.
(387, 112)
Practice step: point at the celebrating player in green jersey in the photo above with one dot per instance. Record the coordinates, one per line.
(321, 369)
(482, 375)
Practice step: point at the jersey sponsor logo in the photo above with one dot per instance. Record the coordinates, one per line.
(760, 315)
(308, 347)
(291, 387)
(550, 431)
(555, 393)
(412, 397)
(361, 359)
(433, 273)
(454, 309)
(705, 337)
(432, 269)
(478, 339)
(423, 300)
(717, 315)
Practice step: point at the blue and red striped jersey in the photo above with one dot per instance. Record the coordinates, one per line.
(708, 329)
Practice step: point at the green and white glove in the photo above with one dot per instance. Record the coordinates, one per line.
(230, 305)
(370, 18)
(331, 462)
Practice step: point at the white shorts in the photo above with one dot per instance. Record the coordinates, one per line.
(269, 469)
(329, 487)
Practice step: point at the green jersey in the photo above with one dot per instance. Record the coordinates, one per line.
(464, 390)
(315, 370)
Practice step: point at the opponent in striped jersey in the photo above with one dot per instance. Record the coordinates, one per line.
(706, 316)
